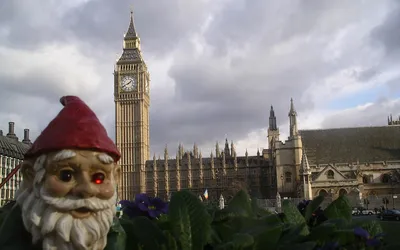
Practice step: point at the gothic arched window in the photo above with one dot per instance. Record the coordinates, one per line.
(385, 178)
(288, 177)
(330, 174)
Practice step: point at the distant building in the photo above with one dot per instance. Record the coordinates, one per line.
(360, 161)
(11, 154)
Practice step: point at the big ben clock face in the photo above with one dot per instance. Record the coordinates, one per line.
(128, 83)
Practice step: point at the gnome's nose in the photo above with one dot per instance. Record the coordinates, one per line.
(84, 190)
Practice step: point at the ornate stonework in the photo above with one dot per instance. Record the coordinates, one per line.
(132, 104)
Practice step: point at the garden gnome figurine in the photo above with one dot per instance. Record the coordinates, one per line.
(221, 202)
(68, 194)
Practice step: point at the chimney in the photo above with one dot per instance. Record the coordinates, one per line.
(26, 139)
(11, 133)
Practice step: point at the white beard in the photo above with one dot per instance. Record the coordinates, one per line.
(60, 230)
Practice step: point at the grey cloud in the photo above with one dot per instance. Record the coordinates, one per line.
(28, 25)
(161, 25)
(387, 34)
(217, 93)
(237, 100)
(373, 115)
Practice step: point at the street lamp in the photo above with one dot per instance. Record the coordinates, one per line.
(281, 183)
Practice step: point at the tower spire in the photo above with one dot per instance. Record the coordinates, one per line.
(272, 119)
(131, 33)
(292, 119)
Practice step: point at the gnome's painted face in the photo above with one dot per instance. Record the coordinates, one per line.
(70, 201)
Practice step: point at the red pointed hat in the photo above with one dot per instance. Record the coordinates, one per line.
(75, 127)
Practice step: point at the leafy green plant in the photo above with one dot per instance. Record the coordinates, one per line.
(192, 225)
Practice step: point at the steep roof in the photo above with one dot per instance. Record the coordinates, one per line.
(12, 147)
(342, 145)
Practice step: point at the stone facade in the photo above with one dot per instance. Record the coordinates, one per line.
(11, 154)
(307, 163)
(361, 161)
(132, 106)
(222, 173)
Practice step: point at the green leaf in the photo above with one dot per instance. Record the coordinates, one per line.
(240, 204)
(293, 216)
(269, 237)
(235, 225)
(257, 210)
(239, 241)
(189, 221)
(393, 247)
(339, 208)
(322, 232)
(171, 242)
(271, 220)
(148, 234)
(344, 236)
(131, 240)
(373, 227)
(302, 246)
(116, 238)
(224, 215)
(312, 206)
(293, 233)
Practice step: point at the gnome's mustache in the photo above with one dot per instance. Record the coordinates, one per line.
(69, 203)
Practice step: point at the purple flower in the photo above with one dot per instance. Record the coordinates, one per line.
(144, 206)
(364, 235)
(361, 232)
(154, 207)
(131, 209)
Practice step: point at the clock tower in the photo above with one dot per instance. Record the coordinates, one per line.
(132, 102)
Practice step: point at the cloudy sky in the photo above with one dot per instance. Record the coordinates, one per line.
(216, 65)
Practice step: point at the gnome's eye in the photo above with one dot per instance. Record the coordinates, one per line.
(66, 175)
(98, 178)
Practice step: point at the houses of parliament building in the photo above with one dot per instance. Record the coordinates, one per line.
(364, 161)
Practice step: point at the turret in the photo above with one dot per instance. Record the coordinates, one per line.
(393, 122)
(166, 153)
(201, 168)
(155, 175)
(235, 163)
(247, 158)
(189, 170)
(212, 166)
(223, 163)
(166, 169)
(180, 150)
(293, 119)
(195, 151)
(305, 174)
(178, 172)
(233, 149)
(227, 152)
(273, 130)
(217, 151)
(272, 120)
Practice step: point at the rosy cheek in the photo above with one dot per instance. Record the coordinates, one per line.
(106, 191)
(55, 187)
